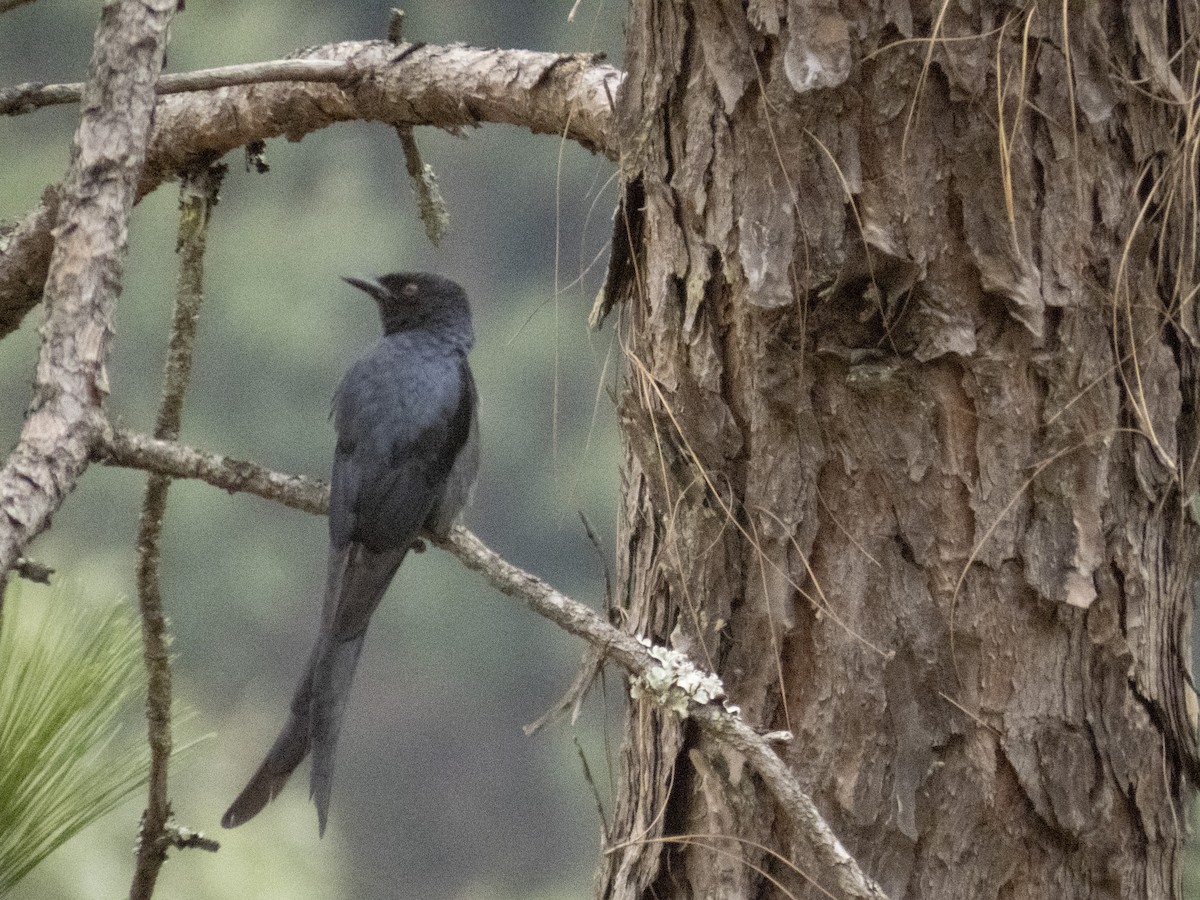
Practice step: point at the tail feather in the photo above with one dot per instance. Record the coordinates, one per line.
(333, 678)
(357, 579)
(285, 754)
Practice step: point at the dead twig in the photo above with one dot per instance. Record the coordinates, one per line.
(433, 210)
(25, 98)
(197, 196)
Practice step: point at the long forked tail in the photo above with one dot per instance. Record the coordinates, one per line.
(313, 723)
(357, 579)
(332, 680)
(285, 755)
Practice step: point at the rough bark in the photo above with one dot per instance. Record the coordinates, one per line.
(70, 385)
(911, 454)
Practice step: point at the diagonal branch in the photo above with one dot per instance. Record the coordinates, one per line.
(411, 84)
(726, 726)
(85, 270)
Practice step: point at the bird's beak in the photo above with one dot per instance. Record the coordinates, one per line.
(368, 285)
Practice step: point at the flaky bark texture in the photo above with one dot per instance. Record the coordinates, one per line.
(66, 414)
(911, 444)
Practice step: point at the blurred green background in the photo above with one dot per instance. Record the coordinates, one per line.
(439, 794)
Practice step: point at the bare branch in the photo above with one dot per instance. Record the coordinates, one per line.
(138, 451)
(25, 98)
(412, 84)
(721, 724)
(85, 270)
(198, 195)
(24, 258)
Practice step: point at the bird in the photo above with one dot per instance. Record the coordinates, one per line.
(404, 467)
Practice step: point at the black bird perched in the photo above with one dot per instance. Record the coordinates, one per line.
(406, 459)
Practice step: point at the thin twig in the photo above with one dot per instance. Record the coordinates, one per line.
(723, 725)
(6, 5)
(25, 98)
(31, 570)
(395, 29)
(197, 196)
(590, 667)
(186, 839)
(432, 205)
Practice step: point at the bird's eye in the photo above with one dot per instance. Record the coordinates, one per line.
(410, 289)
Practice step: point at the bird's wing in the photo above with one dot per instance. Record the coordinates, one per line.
(402, 423)
(459, 482)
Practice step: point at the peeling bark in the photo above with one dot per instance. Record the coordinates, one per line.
(911, 439)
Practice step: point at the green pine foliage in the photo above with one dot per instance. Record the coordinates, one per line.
(64, 683)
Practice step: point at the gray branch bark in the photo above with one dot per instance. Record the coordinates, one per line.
(84, 270)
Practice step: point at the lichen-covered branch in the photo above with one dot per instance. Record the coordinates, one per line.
(633, 655)
(84, 271)
(197, 197)
(403, 85)
(131, 450)
(433, 212)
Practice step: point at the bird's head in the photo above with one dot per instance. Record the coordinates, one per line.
(411, 300)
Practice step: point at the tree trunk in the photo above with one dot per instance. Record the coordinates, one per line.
(908, 299)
